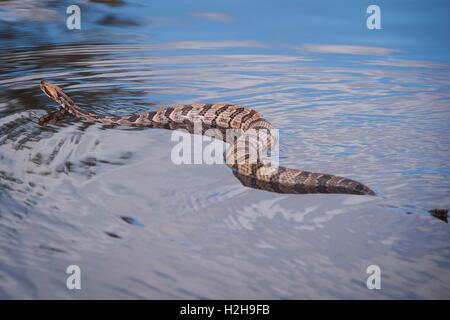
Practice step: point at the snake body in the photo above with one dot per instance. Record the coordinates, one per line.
(221, 117)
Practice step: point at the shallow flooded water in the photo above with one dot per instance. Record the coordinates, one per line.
(373, 107)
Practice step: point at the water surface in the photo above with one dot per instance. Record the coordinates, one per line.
(369, 105)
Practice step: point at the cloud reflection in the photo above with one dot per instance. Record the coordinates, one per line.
(347, 49)
(407, 63)
(214, 16)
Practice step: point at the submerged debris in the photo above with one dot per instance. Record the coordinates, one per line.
(440, 213)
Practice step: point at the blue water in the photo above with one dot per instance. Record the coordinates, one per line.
(372, 105)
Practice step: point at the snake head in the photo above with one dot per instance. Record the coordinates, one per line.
(50, 89)
(55, 92)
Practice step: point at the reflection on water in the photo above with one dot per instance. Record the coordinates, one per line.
(111, 201)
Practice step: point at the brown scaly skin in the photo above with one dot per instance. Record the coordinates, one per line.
(253, 174)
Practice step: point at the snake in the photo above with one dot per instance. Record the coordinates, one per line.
(256, 136)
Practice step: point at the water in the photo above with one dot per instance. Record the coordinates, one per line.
(370, 105)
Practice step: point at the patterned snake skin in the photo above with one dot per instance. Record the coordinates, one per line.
(257, 136)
